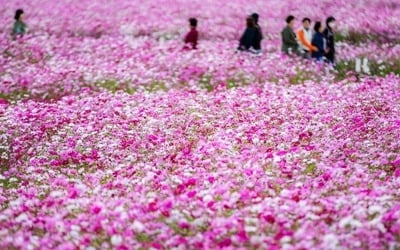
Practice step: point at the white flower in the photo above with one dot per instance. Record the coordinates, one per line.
(137, 226)
(250, 229)
(330, 241)
(74, 234)
(22, 217)
(375, 209)
(57, 194)
(13, 179)
(235, 196)
(75, 228)
(286, 239)
(350, 221)
(116, 240)
(207, 198)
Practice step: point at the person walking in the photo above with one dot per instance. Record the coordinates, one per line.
(319, 42)
(304, 36)
(248, 39)
(289, 41)
(330, 38)
(259, 35)
(19, 28)
(191, 38)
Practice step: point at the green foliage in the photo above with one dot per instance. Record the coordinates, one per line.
(357, 38)
(232, 83)
(344, 68)
(4, 155)
(114, 85)
(143, 238)
(111, 85)
(178, 230)
(156, 86)
(11, 182)
(228, 212)
(311, 169)
(16, 95)
(385, 68)
(205, 83)
(300, 77)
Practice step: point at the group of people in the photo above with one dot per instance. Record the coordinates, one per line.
(250, 40)
(318, 43)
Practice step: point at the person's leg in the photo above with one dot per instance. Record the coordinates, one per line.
(330, 57)
(307, 54)
(331, 60)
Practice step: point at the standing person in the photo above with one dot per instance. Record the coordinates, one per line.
(319, 42)
(330, 38)
(305, 35)
(259, 36)
(289, 42)
(19, 28)
(192, 36)
(248, 38)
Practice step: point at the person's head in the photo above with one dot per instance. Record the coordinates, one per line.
(193, 22)
(255, 16)
(250, 22)
(306, 22)
(19, 14)
(330, 22)
(290, 21)
(318, 27)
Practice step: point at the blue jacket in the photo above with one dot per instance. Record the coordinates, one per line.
(319, 42)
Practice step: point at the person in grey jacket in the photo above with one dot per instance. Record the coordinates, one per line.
(289, 39)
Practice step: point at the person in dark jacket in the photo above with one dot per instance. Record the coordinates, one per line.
(319, 42)
(248, 39)
(289, 40)
(330, 39)
(259, 36)
(192, 36)
(19, 28)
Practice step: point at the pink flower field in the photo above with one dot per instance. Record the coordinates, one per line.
(113, 137)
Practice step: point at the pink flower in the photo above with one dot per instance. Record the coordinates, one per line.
(184, 225)
(242, 236)
(191, 194)
(225, 243)
(3, 101)
(397, 172)
(396, 163)
(95, 208)
(73, 193)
